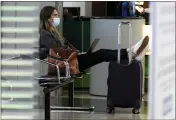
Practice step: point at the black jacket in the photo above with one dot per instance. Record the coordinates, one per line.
(48, 40)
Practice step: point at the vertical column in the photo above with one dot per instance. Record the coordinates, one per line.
(59, 6)
(162, 62)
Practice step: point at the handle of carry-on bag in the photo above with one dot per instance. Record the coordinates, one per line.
(130, 40)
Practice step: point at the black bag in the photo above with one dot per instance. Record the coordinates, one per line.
(124, 81)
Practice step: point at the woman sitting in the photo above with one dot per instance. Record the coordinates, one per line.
(52, 39)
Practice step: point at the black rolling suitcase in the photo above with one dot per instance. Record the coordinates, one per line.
(124, 80)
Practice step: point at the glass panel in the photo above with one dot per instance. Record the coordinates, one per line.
(19, 89)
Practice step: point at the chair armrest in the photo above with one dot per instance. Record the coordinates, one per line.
(50, 84)
(49, 63)
(44, 61)
(67, 70)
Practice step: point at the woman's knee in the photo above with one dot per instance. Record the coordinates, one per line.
(102, 53)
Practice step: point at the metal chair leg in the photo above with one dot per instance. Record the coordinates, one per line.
(71, 102)
(47, 104)
(71, 94)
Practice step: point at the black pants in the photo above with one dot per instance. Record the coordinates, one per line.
(86, 61)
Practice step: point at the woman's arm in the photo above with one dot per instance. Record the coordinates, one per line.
(47, 40)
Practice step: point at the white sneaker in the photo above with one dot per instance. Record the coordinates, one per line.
(139, 49)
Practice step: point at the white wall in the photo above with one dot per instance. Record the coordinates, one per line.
(86, 7)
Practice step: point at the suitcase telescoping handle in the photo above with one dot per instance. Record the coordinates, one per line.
(130, 40)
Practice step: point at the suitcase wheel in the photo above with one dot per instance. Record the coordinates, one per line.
(135, 111)
(110, 110)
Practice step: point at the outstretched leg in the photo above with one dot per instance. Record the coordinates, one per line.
(86, 61)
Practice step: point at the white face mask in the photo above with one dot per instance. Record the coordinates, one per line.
(56, 22)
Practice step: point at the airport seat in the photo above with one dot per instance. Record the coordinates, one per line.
(51, 83)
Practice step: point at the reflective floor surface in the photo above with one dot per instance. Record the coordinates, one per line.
(83, 99)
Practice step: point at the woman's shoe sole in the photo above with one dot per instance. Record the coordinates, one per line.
(143, 45)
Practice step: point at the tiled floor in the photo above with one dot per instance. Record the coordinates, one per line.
(83, 99)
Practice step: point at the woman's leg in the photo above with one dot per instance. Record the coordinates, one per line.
(86, 61)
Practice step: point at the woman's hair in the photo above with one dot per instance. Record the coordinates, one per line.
(45, 14)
